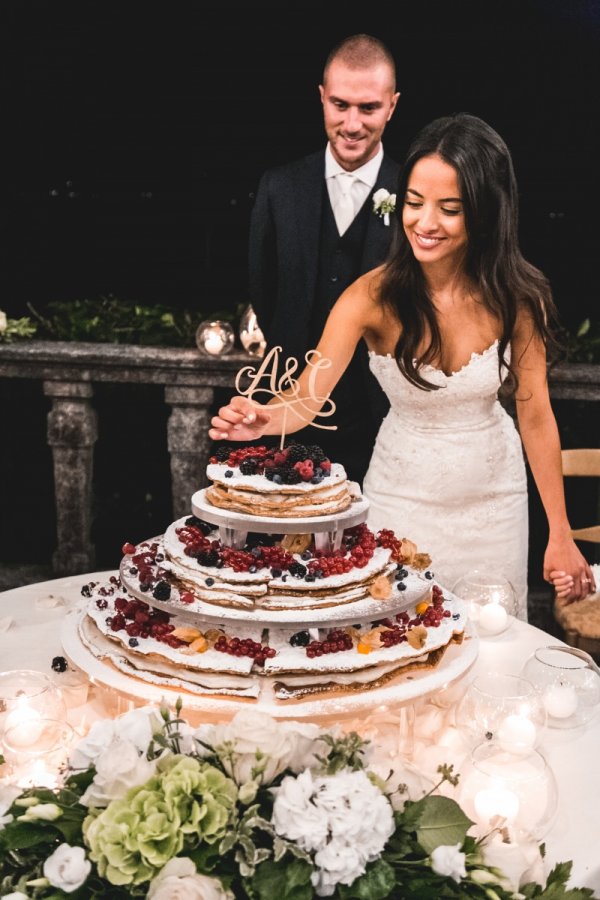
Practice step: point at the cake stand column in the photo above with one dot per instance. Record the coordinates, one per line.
(72, 433)
(188, 442)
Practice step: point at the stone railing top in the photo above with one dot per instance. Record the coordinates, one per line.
(81, 361)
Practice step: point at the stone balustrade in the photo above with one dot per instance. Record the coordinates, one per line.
(68, 371)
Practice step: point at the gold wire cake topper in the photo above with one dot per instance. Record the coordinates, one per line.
(284, 389)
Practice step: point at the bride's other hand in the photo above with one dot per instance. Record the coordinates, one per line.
(568, 571)
(240, 420)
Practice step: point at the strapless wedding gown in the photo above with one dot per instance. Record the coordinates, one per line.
(447, 472)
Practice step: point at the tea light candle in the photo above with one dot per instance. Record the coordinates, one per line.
(214, 343)
(493, 618)
(496, 801)
(560, 700)
(517, 734)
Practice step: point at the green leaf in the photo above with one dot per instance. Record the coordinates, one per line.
(21, 835)
(377, 883)
(284, 881)
(441, 821)
(584, 328)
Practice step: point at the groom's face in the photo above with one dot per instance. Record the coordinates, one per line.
(357, 105)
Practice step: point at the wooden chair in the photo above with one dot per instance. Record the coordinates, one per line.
(581, 621)
(583, 464)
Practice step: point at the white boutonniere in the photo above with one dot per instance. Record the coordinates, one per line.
(384, 203)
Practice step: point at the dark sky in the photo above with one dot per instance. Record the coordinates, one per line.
(139, 130)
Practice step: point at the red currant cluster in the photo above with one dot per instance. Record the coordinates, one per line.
(434, 614)
(239, 454)
(245, 647)
(138, 619)
(335, 641)
(387, 539)
(144, 565)
(358, 546)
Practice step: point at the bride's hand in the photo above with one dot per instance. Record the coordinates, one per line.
(240, 420)
(568, 571)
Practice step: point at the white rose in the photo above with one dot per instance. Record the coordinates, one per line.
(448, 861)
(259, 745)
(67, 868)
(47, 812)
(379, 196)
(179, 880)
(139, 725)
(519, 861)
(119, 767)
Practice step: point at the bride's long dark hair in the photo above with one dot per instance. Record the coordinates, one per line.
(504, 280)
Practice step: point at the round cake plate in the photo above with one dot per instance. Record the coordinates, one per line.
(407, 689)
(235, 526)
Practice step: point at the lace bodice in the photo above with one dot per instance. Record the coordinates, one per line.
(465, 399)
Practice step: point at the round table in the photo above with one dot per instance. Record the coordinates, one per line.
(30, 626)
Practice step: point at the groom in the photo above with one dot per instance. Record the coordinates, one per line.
(314, 230)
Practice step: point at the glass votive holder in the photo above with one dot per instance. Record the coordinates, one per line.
(504, 708)
(36, 751)
(252, 338)
(215, 338)
(498, 788)
(27, 695)
(568, 686)
(491, 599)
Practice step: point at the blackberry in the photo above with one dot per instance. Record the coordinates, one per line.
(200, 524)
(316, 453)
(297, 570)
(59, 664)
(248, 467)
(296, 453)
(162, 591)
(300, 639)
(207, 558)
(291, 476)
(223, 454)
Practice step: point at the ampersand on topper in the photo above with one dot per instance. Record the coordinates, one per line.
(284, 390)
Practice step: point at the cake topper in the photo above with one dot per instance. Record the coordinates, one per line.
(284, 390)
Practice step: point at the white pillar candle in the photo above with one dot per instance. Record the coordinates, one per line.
(496, 801)
(25, 728)
(560, 700)
(517, 734)
(493, 618)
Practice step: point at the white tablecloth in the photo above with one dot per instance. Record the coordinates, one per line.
(30, 638)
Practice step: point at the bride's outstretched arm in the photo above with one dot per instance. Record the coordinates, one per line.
(564, 564)
(243, 419)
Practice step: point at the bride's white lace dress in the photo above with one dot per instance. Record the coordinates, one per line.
(448, 472)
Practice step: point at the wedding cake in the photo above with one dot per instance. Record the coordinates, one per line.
(287, 603)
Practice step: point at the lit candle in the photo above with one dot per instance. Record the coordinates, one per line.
(214, 343)
(496, 801)
(493, 618)
(560, 700)
(25, 725)
(36, 774)
(517, 734)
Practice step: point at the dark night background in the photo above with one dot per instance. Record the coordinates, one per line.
(137, 133)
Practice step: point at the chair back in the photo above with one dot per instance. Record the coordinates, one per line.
(583, 463)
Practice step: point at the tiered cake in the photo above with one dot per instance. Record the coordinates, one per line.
(274, 588)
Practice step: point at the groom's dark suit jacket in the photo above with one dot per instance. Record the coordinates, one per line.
(298, 267)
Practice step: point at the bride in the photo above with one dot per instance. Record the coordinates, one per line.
(455, 313)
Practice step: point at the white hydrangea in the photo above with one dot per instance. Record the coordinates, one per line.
(343, 819)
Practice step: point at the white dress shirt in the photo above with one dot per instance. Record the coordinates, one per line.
(363, 181)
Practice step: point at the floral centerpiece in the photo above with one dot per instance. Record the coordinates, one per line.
(255, 808)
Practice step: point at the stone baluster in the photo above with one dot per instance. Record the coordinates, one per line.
(188, 442)
(72, 433)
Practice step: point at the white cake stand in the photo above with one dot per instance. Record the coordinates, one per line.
(234, 527)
